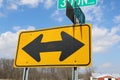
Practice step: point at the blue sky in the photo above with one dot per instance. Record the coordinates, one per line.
(18, 15)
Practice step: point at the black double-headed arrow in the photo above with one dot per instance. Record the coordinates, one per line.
(67, 46)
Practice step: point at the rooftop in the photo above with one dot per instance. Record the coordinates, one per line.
(97, 75)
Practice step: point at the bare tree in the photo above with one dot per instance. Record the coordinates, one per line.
(88, 72)
(64, 73)
(7, 71)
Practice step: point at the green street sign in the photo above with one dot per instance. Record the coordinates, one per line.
(62, 3)
(79, 14)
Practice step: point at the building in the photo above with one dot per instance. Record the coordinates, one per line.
(118, 78)
(102, 76)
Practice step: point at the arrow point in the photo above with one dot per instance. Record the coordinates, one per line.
(70, 46)
(33, 48)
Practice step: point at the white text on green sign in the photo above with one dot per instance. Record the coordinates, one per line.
(62, 3)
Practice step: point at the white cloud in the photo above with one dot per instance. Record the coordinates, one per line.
(59, 19)
(12, 6)
(116, 19)
(48, 3)
(112, 4)
(1, 1)
(106, 65)
(31, 3)
(17, 5)
(94, 13)
(16, 28)
(8, 43)
(2, 15)
(57, 16)
(55, 13)
(34, 3)
(104, 38)
(7, 5)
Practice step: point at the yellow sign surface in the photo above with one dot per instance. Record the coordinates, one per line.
(60, 46)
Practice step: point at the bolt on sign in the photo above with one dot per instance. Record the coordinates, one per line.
(60, 46)
(62, 3)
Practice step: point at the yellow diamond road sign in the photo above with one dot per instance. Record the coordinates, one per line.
(61, 46)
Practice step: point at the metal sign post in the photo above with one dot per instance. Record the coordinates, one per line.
(25, 73)
(79, 17)
(75, 73)
(75, 70)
